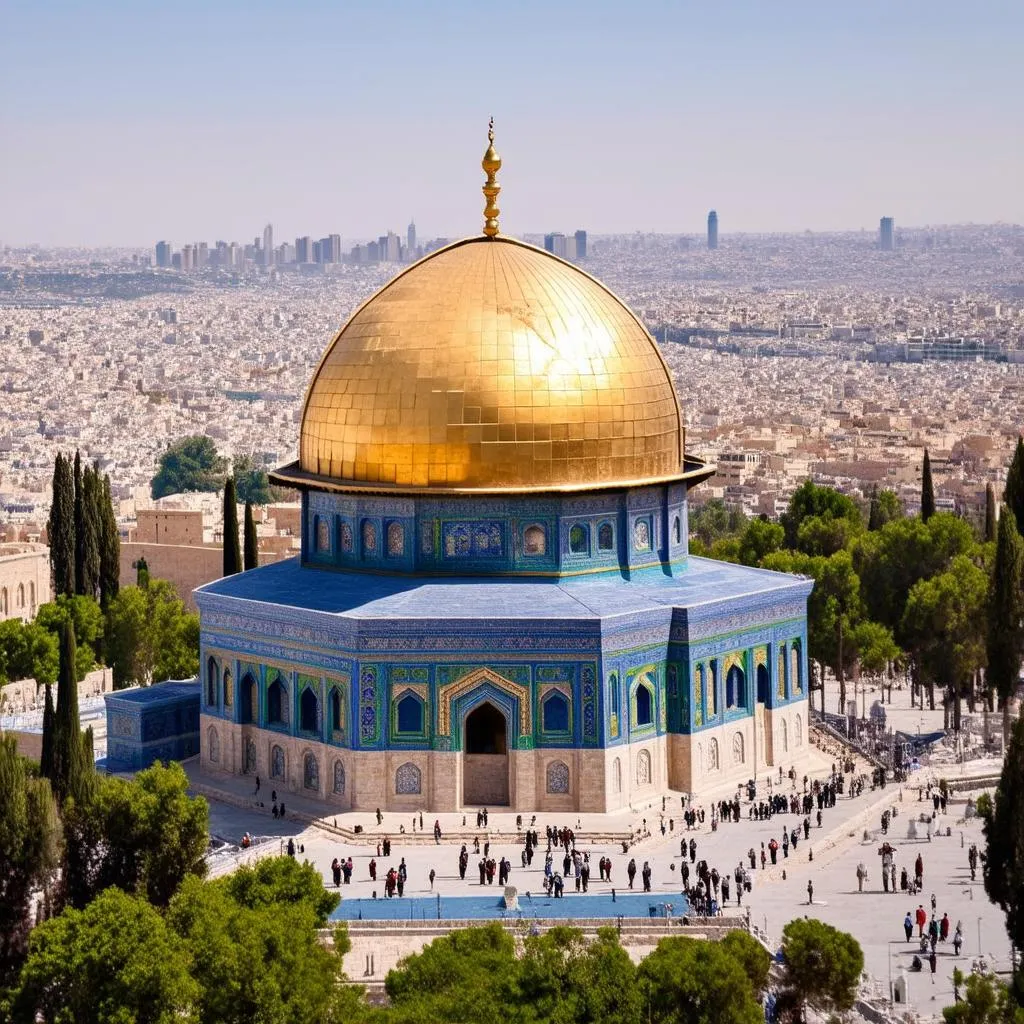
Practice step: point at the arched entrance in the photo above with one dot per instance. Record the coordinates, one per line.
(485, 757)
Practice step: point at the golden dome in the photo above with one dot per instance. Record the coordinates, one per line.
(492, 365)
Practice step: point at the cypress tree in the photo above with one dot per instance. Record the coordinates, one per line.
(927, 489)
(875, 515)
(1014, 493)
(110, 547)
(1005, 641)
(232, 554)
(88, 532)
(79, 519)
(60, 528)
(990, 513)
(67, 730)
(46, 756)
(252, 548)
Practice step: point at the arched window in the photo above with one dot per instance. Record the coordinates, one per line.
(369, 538)
(396, 540)
(211, 682)
(710, 683)
(409, 714)
(408, 780)
(642, 535)
(310, 772)
(3, 601)
(309, 711)
(644, 705)
(229, 689)
(616, 776)
(277, 703)
(794, 668)
(713, 762)
(579, 540)
(605, 537)
(643, 768)
(736, 688)
(212, 744)
(276, 763)
(764, 686)
(780, 681)
(337, 720)
(798, 731)
(323, 535)
(339, 777)
(534, 540)
(345, 537)
(555, 713)
(698, 695)
(21, 595)
(250, 704)
(32, 597)
(558, 777)
(613, 690)
(737, 748)
(784, 736)
(677, 530)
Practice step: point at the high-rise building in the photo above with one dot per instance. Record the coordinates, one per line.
(887, 234)
(268, 246)
(712, 230)
(202, 255)
(163, 254)
(410, 239)
(581, 245)
(393, 244)
(303, 249)
(555, 243)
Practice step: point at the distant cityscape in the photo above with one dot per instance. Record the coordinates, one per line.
(312, 253)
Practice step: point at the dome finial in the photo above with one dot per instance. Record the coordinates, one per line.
(491, 164)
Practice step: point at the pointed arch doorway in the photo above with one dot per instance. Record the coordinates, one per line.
(485, 757)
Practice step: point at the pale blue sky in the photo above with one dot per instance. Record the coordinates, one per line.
(124, 122)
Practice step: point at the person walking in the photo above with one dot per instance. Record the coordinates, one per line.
(810, 893)
(646, 875)
(922, 919)
(958, 939)
(908, 926)
(432, 876)
(631, 871)
(862, 873)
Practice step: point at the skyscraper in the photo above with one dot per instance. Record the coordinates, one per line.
(712, 230)
(304, 249)
(163, 254)
(886, 234)
(555, 243)
(268, 246)
(581, 245)
(410, 239)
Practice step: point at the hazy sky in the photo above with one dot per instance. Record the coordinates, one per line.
(122, 123)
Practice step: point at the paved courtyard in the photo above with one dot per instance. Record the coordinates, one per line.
(779, 892)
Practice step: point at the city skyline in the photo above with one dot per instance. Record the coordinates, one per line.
(610, 145)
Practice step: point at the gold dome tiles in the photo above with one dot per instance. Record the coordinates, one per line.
(492, 365)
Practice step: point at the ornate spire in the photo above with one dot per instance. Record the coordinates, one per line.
(491, 164)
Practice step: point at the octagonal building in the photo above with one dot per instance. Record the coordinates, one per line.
(494, 603)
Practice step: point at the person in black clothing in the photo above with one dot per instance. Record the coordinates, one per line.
(631, 871)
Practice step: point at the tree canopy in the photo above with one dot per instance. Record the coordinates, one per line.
(191, 464)
(822, 969)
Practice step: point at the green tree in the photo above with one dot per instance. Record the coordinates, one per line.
(60, 527)
(709, 522)
(191, 464)
(944, 623)
(1005, 641)
(110, 547)
(252, 547)
(86, 617)
(751, 955)
(27, 651)
(885, 507)
(822, 969)
(876, 648)
(141, 573)
(251, 482)
(30, 845)
(465, 976)
(1013, 495)
(1003, 864)
(79, 531)
(115, 962)
(232, 554)
(73, 772)
(88, 533)
(151, 636)
(827, 519)
(144, 836)
(927, 489)
(986, 1000)
(46, 747)
(759, 539)
(692, 981)
(990, 514)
